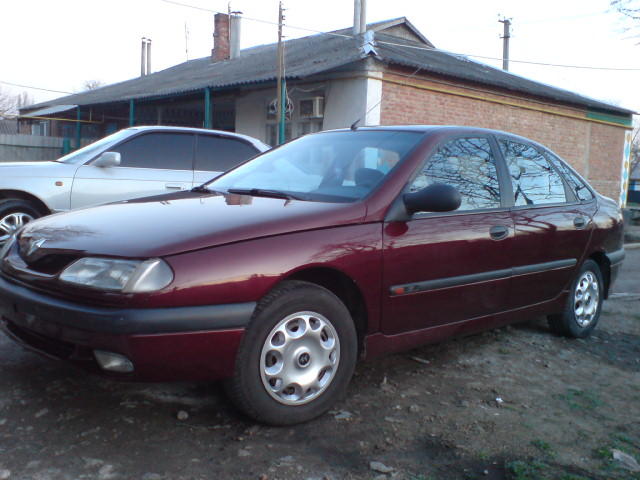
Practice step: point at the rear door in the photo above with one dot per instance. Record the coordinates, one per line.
(552, 225)
(442, 268)
(215, 154)
(151, 163)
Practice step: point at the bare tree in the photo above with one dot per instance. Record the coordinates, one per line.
(92, 85)
(630, 11)
(11, 103)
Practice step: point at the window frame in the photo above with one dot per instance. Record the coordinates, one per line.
(549, 153)
(504, 183)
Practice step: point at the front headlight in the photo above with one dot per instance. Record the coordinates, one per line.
(7, 246)
(127, 276)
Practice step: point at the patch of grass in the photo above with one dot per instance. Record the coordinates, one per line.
(484, 456)
(603, 453)
(578, 399)
(504, 351)
(571, 476)
(530, 470)
(544, 447)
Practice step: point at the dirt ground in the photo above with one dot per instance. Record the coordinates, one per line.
(515, 403)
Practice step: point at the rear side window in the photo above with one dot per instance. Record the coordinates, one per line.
(169, 151)
(534, 180)
(468, 165)
(219, 154)
(575, 183)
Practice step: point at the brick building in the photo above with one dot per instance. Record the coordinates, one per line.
(391, 74)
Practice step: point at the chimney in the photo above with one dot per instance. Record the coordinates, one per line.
(143, 57)
(221, 48)
(359, 16)
(234, 35)
(148, 56)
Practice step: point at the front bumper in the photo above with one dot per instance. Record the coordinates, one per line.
(181, 343)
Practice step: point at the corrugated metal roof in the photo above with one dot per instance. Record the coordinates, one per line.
(50, 110)
(459, 66)
(313, 55)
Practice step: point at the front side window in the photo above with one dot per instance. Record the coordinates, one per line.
(219, 154)
(468, 165)
(333, 167)
(169, 151)
(534, 180)
(577, 185)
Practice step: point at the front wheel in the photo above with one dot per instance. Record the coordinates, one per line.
(14, 213)
(582, 311)
(297, 356)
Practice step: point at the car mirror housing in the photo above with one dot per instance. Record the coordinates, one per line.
(107, 159)
(437, 197)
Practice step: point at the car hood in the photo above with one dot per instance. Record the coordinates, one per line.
(181, 222)
(35, 169)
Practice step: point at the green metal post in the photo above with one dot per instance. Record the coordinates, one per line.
(78, 128)
(208, 120)
(132, 113)
(283, 113)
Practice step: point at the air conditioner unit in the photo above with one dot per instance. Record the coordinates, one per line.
(311, 107)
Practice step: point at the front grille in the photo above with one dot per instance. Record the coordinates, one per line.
(51, 264)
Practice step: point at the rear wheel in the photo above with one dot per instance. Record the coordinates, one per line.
(297, 356)
(582, 311)
(15, 213)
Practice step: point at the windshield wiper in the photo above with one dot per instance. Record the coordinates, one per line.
(201, 189)
(263, 192)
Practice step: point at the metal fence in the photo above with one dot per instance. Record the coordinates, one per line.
(30, 148)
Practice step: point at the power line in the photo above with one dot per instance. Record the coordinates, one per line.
(335, 34)
(34, 88)
(510, 60)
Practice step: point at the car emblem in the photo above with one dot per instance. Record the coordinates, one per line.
(35, 245)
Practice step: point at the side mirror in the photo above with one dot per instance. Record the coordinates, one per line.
(437, 197)
(107, 159)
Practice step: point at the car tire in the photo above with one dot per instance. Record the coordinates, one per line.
(584, 303)
(297, 355)
(13, 214)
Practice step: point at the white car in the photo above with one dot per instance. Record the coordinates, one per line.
(134, 162)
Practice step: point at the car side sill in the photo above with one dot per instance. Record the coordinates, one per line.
(457, 281)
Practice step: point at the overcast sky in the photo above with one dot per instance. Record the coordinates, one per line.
(59, 45)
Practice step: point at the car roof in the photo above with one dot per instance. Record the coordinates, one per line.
(203, 131)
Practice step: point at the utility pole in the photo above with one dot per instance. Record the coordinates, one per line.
(505, 42)
(281, 107)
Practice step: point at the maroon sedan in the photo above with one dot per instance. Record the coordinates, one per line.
(280, 274)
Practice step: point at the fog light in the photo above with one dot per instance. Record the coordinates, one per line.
(113, 362)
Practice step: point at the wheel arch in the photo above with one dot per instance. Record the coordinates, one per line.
(605, 269)
(22, 195)
(343, 287)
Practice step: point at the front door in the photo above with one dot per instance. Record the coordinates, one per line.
(445, 268)
(151, 164)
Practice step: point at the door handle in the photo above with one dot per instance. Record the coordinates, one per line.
(579, 222)
(499, 232)
(174, 186)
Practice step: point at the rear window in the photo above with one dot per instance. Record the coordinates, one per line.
(219, 154)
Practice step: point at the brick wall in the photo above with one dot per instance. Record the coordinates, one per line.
(595, 150)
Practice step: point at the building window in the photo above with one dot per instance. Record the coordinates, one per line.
(40, 128)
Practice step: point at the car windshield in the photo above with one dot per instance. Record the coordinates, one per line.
(332, 167)
(87, 153)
